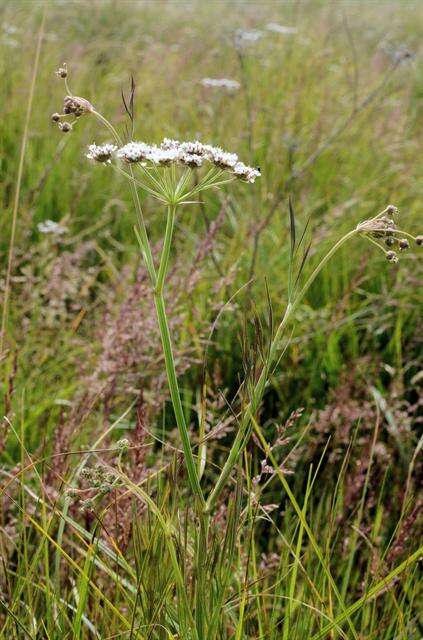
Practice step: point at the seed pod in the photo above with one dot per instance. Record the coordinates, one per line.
(403, 244)
(390, 241)
(55, 117)
(65, 127)
(419, 241)
(391, 209)
(391, 256)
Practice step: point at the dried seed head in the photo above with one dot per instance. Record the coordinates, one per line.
(403, 244)
(65, 127)
(391, 256)
(77, 106)
(55, 117)
(62, 72)
(419, 240)
(391, 210)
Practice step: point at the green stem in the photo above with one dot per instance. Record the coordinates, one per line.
(251, 408)
(169, 360)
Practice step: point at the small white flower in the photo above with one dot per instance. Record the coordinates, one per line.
(224, 159)
(168, 143)
(135, 152)
(192, 159)
(195, 147)
(49, 226)
(243, 38)
(221, 83)
(246, 173)
(279, 28)
(102, 153)
(163, 156)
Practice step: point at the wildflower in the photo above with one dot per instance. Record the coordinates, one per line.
(49, 226)
(224, 159)
(102, 153)
(403, 244)
(279, 28)
(246, 173)
(220, 83)
(163, 157)
(191, 159)
(391, 256)
(134, 152)
(191, 153)
(168, 144)
(76, 106)
(243, 38)
(62, 72)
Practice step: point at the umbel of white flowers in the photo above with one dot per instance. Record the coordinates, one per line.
(190, 154)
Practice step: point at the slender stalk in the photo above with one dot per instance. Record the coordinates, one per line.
(241, 437)
(169, 359)
(7, 285)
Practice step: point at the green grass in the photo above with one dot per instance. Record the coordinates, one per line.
(329, 546)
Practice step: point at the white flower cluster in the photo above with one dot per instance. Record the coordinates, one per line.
(220, 83)
(49, 226)
(280, 28)
(191, 154)
(101, 153)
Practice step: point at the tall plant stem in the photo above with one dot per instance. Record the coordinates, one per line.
(258, 391)
(169, 360)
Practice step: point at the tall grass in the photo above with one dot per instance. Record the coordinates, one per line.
(298, 436)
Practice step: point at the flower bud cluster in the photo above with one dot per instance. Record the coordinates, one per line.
(383, 226)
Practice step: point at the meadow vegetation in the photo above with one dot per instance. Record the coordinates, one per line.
(255, 476)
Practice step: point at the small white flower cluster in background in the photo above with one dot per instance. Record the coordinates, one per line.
(221, 83)
(101, 153)
(191, 154)
(244, 38)
(279, 28)
(49, 226)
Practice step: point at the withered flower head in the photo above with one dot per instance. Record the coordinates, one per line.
(76, 106)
